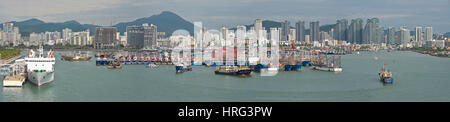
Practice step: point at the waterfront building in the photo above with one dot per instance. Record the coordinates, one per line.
(403, 35)
(300, 31)
(314, 31)
(142, 36)
(105, 37)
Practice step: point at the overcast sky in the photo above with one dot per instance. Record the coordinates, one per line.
(217, 13)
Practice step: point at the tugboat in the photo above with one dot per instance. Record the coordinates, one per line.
(180, 68)
(115, 64)
(233, 70)
(386, 75)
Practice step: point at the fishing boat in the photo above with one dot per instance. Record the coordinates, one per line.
(182, 68)
(115, 64)
(233, 70)
(385, 75)
(333, 66)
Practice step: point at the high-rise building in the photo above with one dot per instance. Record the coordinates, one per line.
(8, 27)
(80, 38)
(341, 30)
(105, 37)
(391, 35)
(355, 31)
(371, 32)
(258, 25)
(223, 33)
(428, 34)
(142, 36)
(300, 30)
(314, 31)
(380, 35)
(403, 35)
(285, 27)
(66, 34)
(292, 35)
(418, 34)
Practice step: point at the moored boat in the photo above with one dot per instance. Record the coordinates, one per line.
(40, 68)
(182, 68)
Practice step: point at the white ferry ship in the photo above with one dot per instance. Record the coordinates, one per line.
(40, 68)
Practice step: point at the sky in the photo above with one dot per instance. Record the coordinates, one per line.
(230, 13)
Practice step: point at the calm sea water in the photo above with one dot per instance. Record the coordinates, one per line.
(417, 77)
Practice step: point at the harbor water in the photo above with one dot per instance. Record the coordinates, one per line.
(417, 77)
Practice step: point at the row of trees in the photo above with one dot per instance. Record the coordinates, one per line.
(6, 53)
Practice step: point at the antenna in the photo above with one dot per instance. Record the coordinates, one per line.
(110, 23)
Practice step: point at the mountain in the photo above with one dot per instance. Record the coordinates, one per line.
(166, 21)
(447, 34)
(35, 25)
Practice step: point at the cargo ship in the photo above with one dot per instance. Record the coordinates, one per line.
(182, 68)
(385, 75)
(40, 68)
(233, 70)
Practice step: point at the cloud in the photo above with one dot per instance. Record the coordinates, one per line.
(217, 13)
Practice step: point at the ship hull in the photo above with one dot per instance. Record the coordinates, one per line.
(329, 69)
(40, 78)
(387, 80)
(244, 73)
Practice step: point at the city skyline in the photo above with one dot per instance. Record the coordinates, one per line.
(215, 14)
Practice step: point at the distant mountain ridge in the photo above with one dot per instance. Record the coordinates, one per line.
(166, 22)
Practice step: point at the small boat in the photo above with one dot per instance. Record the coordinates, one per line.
(233, 70)
(115, 65)
(385, 75)
(152, 65)
(182, 68)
